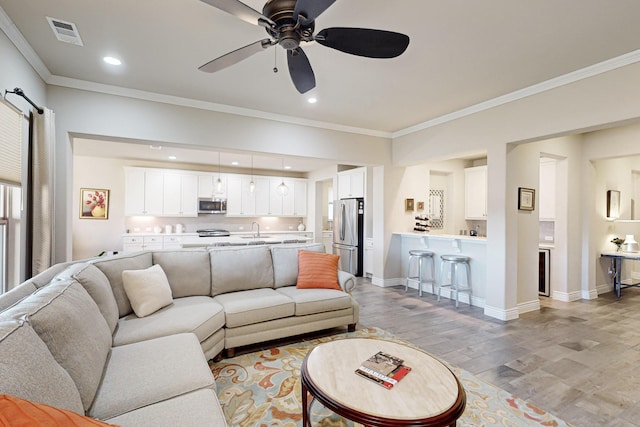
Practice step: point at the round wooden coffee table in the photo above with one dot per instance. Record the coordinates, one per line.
(430, 395)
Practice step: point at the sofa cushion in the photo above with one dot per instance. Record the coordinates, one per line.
(19, 412)
(254, 306)
(285, 262)
(200, 315)
(97, 285)
(317, 270)
(197, 409)
(310, 301)
(238, 269)
(188, 271)
(147, 372)
(112, 267)
(67, 319)
(28, 369)
(16, 294)
(148, 290)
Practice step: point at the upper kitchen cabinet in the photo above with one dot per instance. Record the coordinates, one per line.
(351, 183)
(475, 193)
(293, 202)
(547, 191)
(266, 199)
(180, 193)
(157, 192)
(208, 186)
(143, 191)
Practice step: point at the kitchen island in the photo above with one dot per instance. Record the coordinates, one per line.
(138, 242)
(450, 244)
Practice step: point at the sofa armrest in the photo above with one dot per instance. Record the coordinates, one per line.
(346, 280)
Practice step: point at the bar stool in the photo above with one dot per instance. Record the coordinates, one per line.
(454, 262)
(421, 256)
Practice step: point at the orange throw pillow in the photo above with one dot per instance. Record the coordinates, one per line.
(317, 270)
(19, 412)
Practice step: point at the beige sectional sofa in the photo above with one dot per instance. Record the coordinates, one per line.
(70, 338)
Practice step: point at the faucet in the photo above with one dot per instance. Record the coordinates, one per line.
(256, 235)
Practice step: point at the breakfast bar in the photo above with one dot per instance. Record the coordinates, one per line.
(447, 244)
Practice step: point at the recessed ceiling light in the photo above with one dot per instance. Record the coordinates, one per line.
(312, 100)
(156, 147)
(287, 167)
(111, 60)
(172, 157)
(235, 163)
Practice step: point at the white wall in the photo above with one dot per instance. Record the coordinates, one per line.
(81, 112)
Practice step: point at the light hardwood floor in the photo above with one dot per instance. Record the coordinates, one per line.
(578, 360)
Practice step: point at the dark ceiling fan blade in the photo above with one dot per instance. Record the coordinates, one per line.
(311, 9)
(300, 70)
(236, 56)
(364, 42)
(242, 11)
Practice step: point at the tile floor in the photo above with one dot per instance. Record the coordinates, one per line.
(578, 360)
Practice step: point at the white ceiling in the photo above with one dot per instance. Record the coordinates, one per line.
(461, 53)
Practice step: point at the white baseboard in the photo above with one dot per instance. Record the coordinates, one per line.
(567, 296)
(385, 283)
(526, 307)
(501, 314)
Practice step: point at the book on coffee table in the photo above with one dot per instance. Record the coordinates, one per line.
(383, 369)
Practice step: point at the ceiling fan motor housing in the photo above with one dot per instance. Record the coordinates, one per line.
(287, 31)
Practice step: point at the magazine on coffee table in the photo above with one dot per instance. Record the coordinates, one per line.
(383, 369)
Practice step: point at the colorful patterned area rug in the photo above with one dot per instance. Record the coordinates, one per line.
(263, 389)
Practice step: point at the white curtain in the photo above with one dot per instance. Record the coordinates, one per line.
(43, 202)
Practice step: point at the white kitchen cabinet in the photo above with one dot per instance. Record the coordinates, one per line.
(276, 196)
(234, 196)
(208, 186)
(547, 190)
(300, 198)
(327, 241)
(180, 194)
(141, 243)
(248, 196)
(171, 242)
(144, 191)
(262, 196)
(351, 183)
(475, 193)
(293, 202)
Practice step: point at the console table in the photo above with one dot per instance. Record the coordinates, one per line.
(616, 268)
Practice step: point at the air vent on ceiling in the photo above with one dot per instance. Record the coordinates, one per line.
(65, 31)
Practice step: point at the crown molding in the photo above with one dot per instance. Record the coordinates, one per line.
(204, 105)
(16, 37)
(575, 76)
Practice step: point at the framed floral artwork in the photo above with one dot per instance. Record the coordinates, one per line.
(94, 203)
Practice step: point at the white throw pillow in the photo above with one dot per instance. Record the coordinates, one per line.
(148, 290)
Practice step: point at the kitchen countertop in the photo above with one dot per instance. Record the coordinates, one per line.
(442, 236)
(192, 240)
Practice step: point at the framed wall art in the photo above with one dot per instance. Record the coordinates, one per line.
(420, 206)
(408, 205)
(613, 204)
(94, 203)
(526, 199)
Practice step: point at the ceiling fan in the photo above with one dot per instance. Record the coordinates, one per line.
(290, 23)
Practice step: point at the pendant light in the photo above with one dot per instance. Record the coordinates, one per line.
(252, 185)
(219, 181)
(283, 190)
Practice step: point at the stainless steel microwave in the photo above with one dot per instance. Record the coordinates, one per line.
(212, 206)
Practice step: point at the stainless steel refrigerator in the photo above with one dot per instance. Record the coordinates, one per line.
(348, 234)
